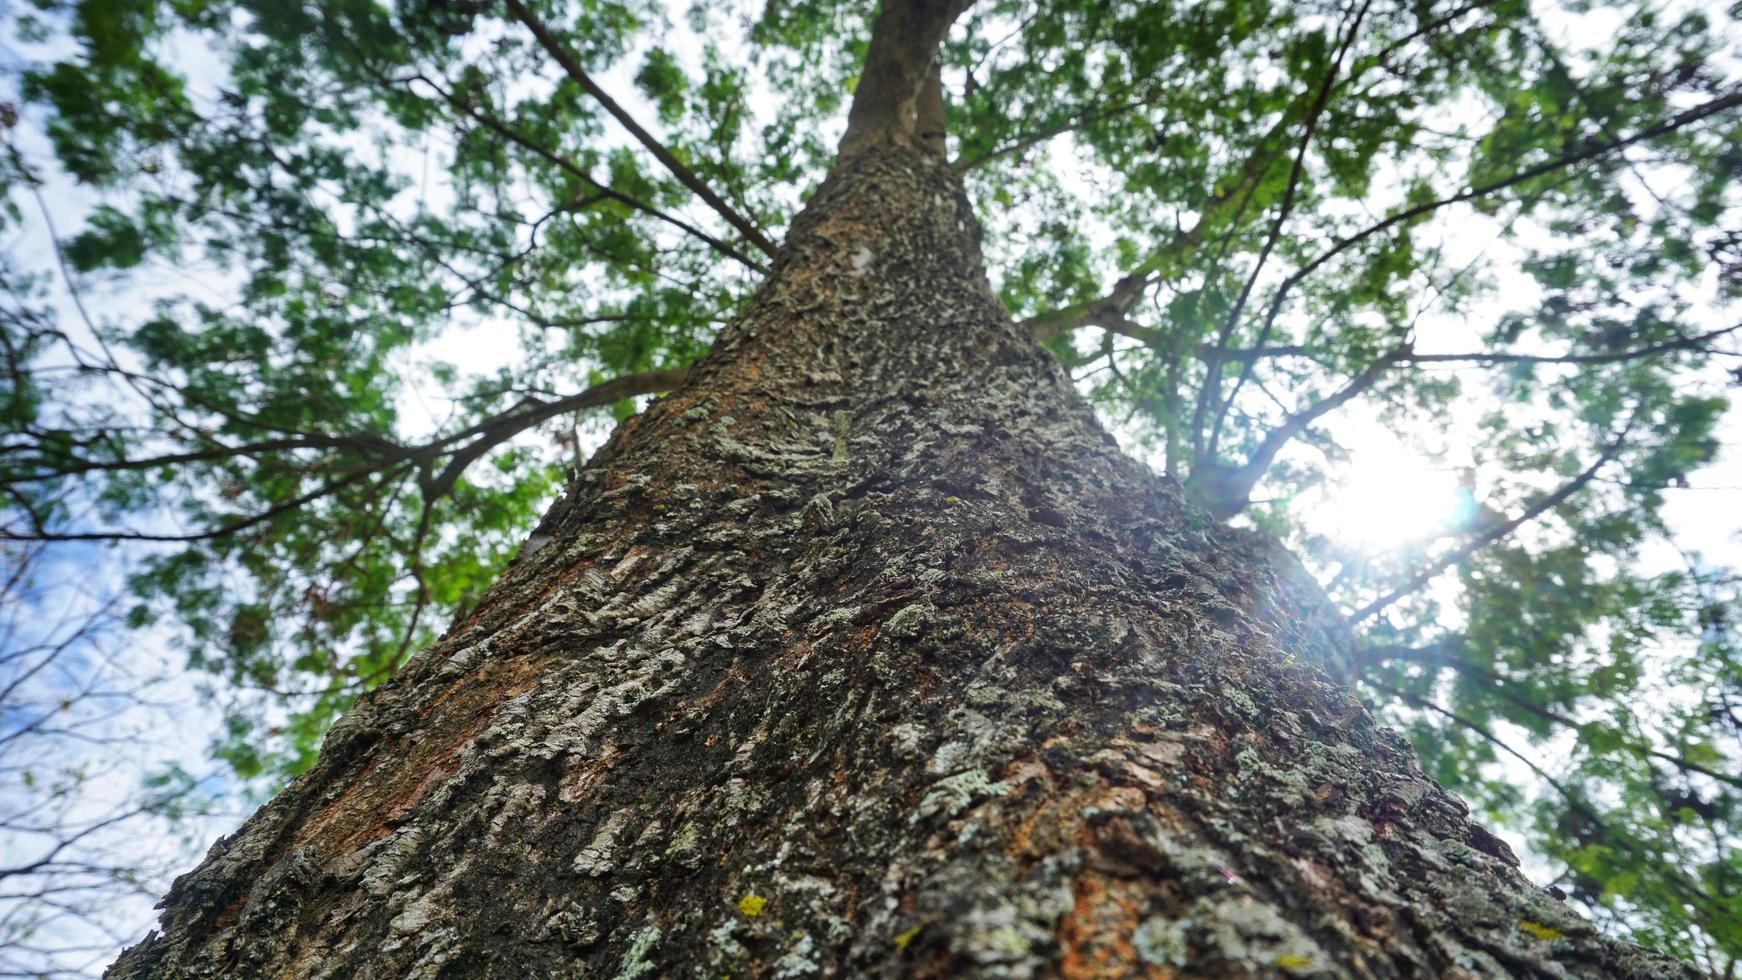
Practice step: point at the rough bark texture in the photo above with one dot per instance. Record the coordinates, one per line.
(867, 653)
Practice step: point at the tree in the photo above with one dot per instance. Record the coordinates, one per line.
(864, 649)
(70, 828)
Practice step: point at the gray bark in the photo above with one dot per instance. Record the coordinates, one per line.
(867, 653)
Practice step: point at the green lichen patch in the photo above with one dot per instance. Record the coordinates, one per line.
(637, 960)
(953, 795)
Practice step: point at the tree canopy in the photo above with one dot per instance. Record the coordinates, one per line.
(394, 266)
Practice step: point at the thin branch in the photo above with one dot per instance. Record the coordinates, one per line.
(1573, 801)
(1207, 351)
(1697, 342)
(1048, 325)
(1682, 343)
(1443, 654)
(1106, 310)
(1101, 312)
(363, 444)
(1086, 119)
(514, 136)
(1229, 490)
(497, 126)
(1583, 154)
(426, 513)
(1595, 113)
(1212, 389)
(685, 176)
(496, 431)
(41, 533)
(1039, 136)
(463, 448)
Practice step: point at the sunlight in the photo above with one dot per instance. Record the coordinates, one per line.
(1388, 496)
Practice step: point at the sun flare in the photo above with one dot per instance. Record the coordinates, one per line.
(1387, 497)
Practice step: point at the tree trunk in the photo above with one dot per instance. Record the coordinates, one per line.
(867, 653)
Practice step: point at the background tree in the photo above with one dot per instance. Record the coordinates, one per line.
(1235, 222)
(90, 820)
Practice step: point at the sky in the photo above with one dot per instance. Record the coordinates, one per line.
(1395, 488)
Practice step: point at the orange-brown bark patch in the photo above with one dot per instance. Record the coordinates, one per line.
(1096, 935)
(577, 783)
(372, 804)
(1051, 827)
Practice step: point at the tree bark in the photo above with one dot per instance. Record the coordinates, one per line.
(866, 652)
(892, 102)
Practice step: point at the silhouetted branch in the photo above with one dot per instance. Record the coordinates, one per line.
(379, 457)
(1609, 357)
(1584, 153)
(684, 175)
(514, 136)
(1225, 491)
(1444, 654)
(1211, 392)
(1575, 802)
(1039, 136)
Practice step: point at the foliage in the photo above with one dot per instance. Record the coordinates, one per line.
(1238, 221)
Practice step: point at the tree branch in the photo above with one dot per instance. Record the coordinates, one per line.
(1612, 357)
(1102, 312)
(494, 432)
(1573, 801)
(1212, 388)
(514, 136)
(41, 533)
(462, 449)
(1087, 119)
(1225, 491)
(1444, 654)
(684, 175)
(1128, 290)
(1585, 153)
(1042, 135)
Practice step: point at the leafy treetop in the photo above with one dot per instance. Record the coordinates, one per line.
(1238, 220)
